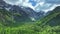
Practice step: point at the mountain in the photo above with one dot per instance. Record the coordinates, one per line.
(56, 20)
(52, 17)
(20, 9)
(49, 24)
(16, 20)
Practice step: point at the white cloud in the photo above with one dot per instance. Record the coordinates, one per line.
(20, 3)
(41, 5)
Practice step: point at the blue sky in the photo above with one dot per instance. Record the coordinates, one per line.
(33, 2)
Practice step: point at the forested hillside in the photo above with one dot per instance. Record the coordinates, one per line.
(50, 24)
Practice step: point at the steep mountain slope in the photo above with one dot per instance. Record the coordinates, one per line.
(8, 18)
(20, 9)
(53, 16)
(50, 24)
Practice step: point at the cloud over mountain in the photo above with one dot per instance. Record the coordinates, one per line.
(36, 5)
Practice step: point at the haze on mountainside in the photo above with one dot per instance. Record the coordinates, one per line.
(36, 5)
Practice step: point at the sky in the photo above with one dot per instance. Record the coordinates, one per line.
(36, 5)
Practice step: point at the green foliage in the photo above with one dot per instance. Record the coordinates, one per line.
(8, 24)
